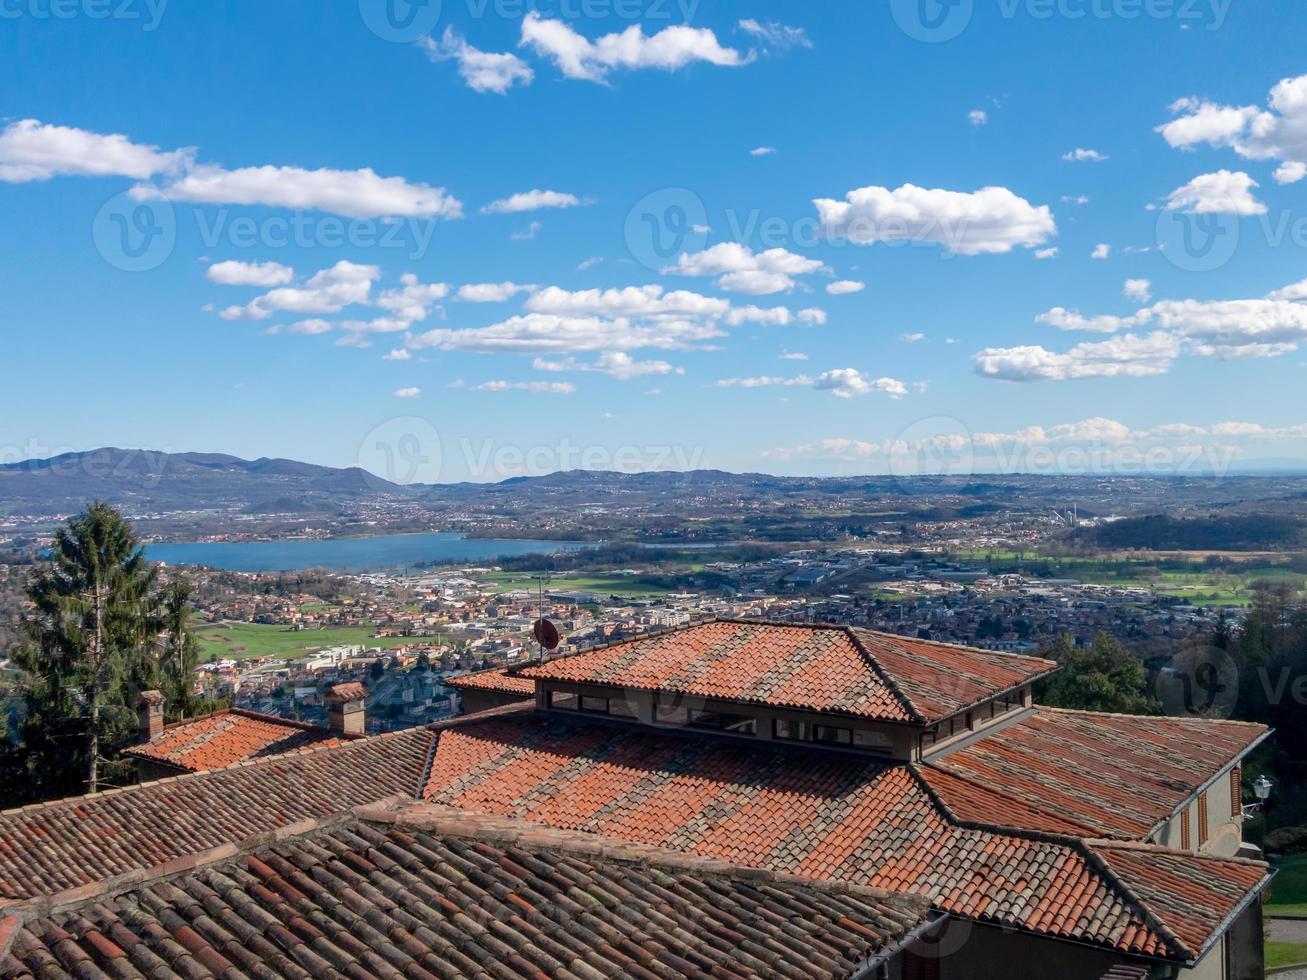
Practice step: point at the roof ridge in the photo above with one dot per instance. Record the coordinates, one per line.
(1110, 844)
(1007, 654)
(1006, 795)
(39, 906)
(1080, 846)
(884, 676)
(1232, 722)
(447, 821)
(328, 746)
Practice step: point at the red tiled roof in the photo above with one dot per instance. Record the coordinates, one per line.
(227, 737)
(371, 900)
(48, 847)
(811, 813)
(1116, 776)
(497, 680)
(821, 668)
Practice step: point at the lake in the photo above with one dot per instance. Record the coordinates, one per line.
(384, 551)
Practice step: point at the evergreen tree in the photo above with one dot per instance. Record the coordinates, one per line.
(180, 650)
(1101, 677)
(89, 624)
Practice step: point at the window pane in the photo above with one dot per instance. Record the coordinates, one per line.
(564, 699)
(623, 708)
(671, 715)
(873, 741)
(589, 703)
(832, 736)
(740, 724)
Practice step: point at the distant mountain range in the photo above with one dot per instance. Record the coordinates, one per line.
(146, 481)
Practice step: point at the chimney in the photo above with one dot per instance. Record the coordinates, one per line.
(149, 712)
(345, 708)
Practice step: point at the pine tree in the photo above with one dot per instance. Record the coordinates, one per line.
(180, 651)
(90, 621)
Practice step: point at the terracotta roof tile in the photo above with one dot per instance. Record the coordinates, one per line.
(1114, 775)
(818, 814)
(227, 737)
(374, 900)
(496, 679)
(54, 846)
(822, 668)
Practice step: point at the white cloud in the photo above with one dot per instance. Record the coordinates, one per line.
(1074, 199)
(491, 292)
(1082, 155)
(589, 263)
(842, 287)
(328, 291)
(540, 387)
(544, 333)
(762, 151)
(1046, 253)
(352, 193)
(793, 356)
(1064, 319)
(265, 274)
(1291, 172)
(533, 200)
(578, 57)
(977, 117)
(912, 338)
(765, 381)
(1278, 132)
(1101, 251)
(992, 219)
(1127, 355)
(408, 392)
(484, 71)
(775, 36)
(812, 317)
(740, 269)
(31, 150)
(527, 233)
(1223, 192)
(1139, 290)
(850, 383)
(311, 327)
(633, 301)
(1111, 440)
(616, 364)
(398, 354)
(413, 300)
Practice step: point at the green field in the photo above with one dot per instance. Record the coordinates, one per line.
(240, 641)
(622, 585)
(1285, 954)
(1289, 888)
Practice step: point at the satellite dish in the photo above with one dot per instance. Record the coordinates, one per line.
(546, 633)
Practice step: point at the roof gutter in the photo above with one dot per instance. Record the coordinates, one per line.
(867, 969)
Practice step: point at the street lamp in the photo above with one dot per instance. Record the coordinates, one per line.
(1262, 788)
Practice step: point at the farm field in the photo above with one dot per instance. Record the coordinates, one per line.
(241, 641)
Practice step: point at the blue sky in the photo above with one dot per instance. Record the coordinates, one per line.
(248, 228)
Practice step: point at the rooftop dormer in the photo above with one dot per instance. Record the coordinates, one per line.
(846, 689)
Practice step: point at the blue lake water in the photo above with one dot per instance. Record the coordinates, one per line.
(387, 551)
